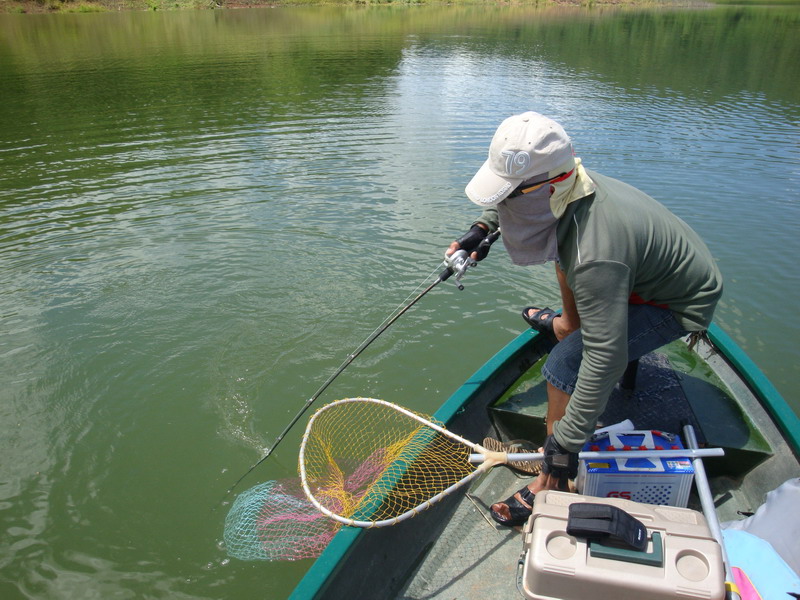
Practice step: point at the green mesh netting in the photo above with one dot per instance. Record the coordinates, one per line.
(275, 521)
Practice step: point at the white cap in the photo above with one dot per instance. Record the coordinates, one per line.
(524, 146)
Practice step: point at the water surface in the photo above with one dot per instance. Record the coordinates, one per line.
(202, 214)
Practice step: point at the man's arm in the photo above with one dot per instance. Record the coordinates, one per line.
(569, 320)
(601, 290)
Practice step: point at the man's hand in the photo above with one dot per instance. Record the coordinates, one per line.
(473, 241)
(559, 463)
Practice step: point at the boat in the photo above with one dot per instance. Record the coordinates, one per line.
(454, 550)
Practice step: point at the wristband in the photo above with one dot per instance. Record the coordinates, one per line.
(559, 462)
(470, 240)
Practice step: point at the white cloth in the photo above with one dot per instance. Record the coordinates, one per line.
(778, 522)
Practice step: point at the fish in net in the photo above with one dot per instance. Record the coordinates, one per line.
(274, 521)
(366, 462)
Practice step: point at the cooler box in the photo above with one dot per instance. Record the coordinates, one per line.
(666, 481)
(682, 559)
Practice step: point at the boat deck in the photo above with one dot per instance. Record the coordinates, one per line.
(473, 557)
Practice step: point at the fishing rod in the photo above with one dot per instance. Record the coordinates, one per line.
(456, 265)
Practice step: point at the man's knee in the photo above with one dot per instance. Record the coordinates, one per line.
(562, 365)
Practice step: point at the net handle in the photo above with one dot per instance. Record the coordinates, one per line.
(489, 460)
(601, 454)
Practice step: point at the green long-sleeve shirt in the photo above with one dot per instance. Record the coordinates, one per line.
(617, 245)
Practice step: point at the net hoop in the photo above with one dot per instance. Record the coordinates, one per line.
(477, 448)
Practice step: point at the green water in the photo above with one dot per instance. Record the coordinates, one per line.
(203, 213)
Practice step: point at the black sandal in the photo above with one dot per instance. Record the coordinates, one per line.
(541, 325)
(520, 511)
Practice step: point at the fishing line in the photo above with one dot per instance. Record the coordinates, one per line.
(402, 304)
(350, 358)
(455, 264)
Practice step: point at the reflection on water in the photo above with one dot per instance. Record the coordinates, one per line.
(203, 213)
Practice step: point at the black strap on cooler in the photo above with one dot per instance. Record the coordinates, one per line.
(604, 522)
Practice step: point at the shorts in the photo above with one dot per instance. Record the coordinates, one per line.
(649, 328)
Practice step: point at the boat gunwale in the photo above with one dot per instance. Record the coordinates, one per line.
(787, 421)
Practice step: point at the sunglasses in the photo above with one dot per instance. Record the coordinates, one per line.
(528, 188)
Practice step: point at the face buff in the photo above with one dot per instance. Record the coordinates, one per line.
(528, 222)
(529, 227)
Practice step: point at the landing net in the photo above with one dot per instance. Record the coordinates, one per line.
(367, 461)
(275, 521)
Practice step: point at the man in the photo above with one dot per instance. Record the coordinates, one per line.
(632, 276)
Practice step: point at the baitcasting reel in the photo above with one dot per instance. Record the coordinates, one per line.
(461, 260)
(457, 264)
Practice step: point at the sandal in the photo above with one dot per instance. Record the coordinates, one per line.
(528, 467)
(542, 325)
(520, 511)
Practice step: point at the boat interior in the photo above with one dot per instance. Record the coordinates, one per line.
(455, 549)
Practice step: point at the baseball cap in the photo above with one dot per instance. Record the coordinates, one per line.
(524, 146)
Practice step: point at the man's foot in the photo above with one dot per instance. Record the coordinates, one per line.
(542, 320)
(554, 325)
(515, 510)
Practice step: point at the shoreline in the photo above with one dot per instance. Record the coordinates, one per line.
(95, 6)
